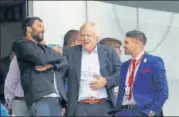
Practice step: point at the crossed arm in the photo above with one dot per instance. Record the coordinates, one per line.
(40, 56)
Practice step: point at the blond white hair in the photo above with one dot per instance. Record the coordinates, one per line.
(93, 26)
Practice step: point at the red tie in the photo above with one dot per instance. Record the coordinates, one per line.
(131, 78)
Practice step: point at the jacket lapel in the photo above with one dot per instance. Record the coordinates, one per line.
(123, 75)
(102, 58)
(77, 62)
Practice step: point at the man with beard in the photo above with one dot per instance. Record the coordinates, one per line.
(41, 71)
(143, 86)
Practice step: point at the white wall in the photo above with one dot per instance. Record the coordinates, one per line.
(61, 16)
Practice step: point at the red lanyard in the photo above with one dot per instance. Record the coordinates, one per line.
(137, 63)
(131, 76)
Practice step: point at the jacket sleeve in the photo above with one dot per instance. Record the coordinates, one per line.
(36, 54)
(161, 85)
(62, 63)
(66, 71)
(113, 80)
(61, 66)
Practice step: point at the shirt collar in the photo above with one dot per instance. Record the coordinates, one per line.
(94, 51)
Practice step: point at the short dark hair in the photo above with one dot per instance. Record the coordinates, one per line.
(67, 37)
(29, 22)
(110, 42)
(138, 35)
(13, 47)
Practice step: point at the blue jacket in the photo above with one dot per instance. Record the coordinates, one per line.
(150, 89)
(4, 111)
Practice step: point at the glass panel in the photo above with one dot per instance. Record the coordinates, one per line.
(112, 19)
(116, 20)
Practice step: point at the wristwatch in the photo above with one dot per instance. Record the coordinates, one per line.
(152, 113)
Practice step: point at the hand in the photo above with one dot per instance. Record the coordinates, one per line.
(98, 83)
(58, 50)
(43, 68)
(63, 111)
(116, 91)
(151, 114)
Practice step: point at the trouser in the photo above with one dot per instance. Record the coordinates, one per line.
(131, 111)
(19, 108)
(46, 107)
(99, 109)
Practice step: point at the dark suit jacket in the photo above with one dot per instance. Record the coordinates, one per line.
(38, 84)
(109, 68)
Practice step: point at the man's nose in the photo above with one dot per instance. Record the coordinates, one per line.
(85, 38)
(42, 29)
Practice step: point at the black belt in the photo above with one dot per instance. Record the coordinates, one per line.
(19, 98)
(129, 107)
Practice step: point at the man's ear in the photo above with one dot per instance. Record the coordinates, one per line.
(29, 29)
(97, 39)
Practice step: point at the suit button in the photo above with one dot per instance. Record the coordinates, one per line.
(51, 81)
